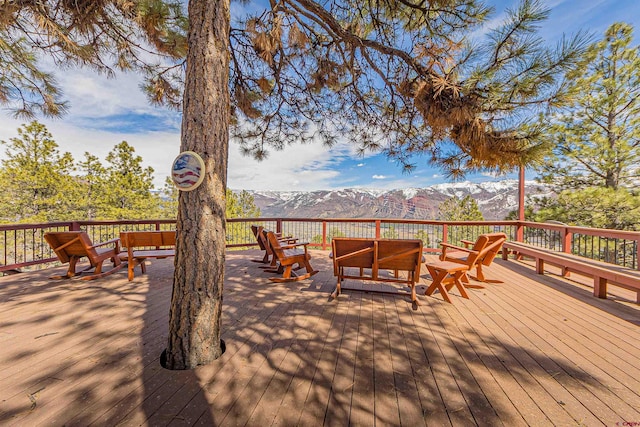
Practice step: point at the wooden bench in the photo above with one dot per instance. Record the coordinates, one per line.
(152, 244)
(602, 272)
(376, 255)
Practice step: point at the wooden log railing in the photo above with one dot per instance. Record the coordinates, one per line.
(22, 245)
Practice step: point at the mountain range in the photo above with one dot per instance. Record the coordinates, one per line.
(495, 200)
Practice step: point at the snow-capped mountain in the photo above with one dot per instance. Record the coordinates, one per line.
(495, 199)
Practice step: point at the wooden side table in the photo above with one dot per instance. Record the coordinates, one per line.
(445, 275)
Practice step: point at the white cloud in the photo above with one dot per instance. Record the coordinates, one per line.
(94, 95)
(97, 102)
(379, 177)
(297, 167)
(360, 165)
(493, 175)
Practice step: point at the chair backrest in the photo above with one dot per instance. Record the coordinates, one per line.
(263, 236)
(347, 252)
(400, 254)
(485, 248)
(148, 238)
(274, 244)
(481, 242)
(257, 232)
(67, 244)
(493, 246)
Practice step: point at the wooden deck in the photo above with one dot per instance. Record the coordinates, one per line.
(534, 350)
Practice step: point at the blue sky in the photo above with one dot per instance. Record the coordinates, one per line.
(105, 112)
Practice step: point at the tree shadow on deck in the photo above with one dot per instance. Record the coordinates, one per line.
(581, 288)
(83, 352)
(296, 358)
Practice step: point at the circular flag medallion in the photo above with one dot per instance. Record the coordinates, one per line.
(187, 171)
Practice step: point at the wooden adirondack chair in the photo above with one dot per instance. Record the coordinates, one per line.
(487, 246)
(261, 237)
(474, 254)
(70, 246)
(453, 266)
(257, 232)
(287, 255)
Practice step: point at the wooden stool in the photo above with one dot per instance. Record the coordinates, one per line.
(445, 275)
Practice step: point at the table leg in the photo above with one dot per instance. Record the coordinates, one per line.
(438, 276)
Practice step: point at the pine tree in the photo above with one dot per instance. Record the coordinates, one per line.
(597, 207)
(457, 209)
(169, 200)
(597, 138)
(128, 193)
(145, 36)
(394, 76)
(37, 179)
(93, 178)
(424, 236)
(241, 205)
(333, 232)
(390, 233)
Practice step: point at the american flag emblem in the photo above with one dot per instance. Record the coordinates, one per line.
(187, 171)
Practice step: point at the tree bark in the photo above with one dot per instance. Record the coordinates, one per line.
(196, 303)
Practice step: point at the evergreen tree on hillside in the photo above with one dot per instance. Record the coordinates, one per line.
(424, 236)
(128, 193)
(529, 214)
(241, 205)
(595, 165)
(169, 200)
(331, 233)
(93, 178)
(457, 209)
(38, 185)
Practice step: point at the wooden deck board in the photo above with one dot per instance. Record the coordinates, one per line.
(387, 402)
(580, 385)
(532, 350)
(571, 383)
(341, 386)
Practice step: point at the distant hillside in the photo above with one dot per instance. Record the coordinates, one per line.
(495, 199)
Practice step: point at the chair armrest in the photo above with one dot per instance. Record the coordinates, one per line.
(293, 245)
(288, 239)
(446, 246)
(467, 243)
(109, 242)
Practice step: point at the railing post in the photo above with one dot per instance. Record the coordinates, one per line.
(445, 233)
(279, 225)
(324, 235)
(378, 228)
(566, 237)
(74, 226)
(637, 254)
(520, 232)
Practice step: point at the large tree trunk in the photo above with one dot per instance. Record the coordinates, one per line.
(196, 304)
